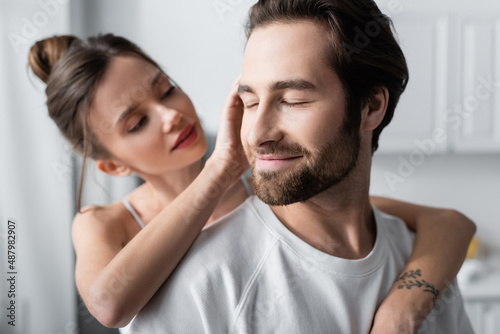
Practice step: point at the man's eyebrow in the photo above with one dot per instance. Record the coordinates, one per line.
(298, 84)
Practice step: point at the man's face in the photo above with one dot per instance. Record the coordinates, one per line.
(293, 130)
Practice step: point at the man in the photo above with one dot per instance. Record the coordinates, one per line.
(309, 255)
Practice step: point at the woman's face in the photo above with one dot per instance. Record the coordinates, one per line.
(143, 121)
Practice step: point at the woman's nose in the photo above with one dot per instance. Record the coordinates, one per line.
(170, 119)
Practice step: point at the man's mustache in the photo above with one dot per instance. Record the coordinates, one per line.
(281, 149)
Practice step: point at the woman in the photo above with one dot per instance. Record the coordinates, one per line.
(114, 104)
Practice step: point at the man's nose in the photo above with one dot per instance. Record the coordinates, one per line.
(265, 126)
(170, 118)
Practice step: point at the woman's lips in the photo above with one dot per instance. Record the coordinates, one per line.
(186, 137)
(274, 162)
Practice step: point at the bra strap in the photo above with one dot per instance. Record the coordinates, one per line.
(133, 212)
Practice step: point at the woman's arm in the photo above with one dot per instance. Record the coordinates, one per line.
(115, 282)
(441, 242)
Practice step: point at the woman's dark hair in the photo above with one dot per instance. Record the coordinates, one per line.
(363, 50)
(72, 69)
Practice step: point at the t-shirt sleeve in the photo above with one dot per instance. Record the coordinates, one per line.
(448, 315)
(173, 309)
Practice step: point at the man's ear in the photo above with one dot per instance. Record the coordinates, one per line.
(113, 167)
(374, 111)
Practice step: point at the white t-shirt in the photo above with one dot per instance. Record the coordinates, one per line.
(126, 329)
(247, 273)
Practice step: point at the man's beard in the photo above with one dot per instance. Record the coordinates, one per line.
(326, 167)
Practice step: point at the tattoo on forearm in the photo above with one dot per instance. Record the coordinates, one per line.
(411, 279)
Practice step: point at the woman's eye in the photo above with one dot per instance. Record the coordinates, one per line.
(168, 92)
(138, 125)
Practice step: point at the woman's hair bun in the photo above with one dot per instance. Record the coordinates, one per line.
(45, 53)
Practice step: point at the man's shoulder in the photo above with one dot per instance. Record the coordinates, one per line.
(213, 275)
(448, 315)
(233, 236)
(396, 235)
(228, 249)
(392, 224)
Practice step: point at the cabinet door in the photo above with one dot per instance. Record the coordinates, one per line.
(492, 319)
(475, 311)
(424, 37)
(476, 115)
(484, 316)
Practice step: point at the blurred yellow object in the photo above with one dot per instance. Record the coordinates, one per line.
(473, 250)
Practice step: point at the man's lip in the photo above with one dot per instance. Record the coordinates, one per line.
(184, 133)
(275, 162)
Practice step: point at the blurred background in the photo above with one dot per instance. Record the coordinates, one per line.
(442, 148)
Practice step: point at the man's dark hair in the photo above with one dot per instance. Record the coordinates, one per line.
(363, 50)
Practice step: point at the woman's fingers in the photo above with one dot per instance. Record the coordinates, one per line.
(232, 115)
(228, 147)
(233, 110)
(228, 144)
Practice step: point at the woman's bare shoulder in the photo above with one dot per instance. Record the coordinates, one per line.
(108, 219)
(102, 213)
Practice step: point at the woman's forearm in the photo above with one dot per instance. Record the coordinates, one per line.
(441, 242)
(151, 256)
(140, 268)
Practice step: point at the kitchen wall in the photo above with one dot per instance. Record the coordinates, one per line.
(35, 188)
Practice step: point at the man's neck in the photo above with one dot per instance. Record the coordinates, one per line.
(339, 221)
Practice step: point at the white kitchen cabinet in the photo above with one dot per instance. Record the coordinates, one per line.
(424, 39)
(482, 303)
(479, 90)
(492, 318)
(484, 316)
(452, 101)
